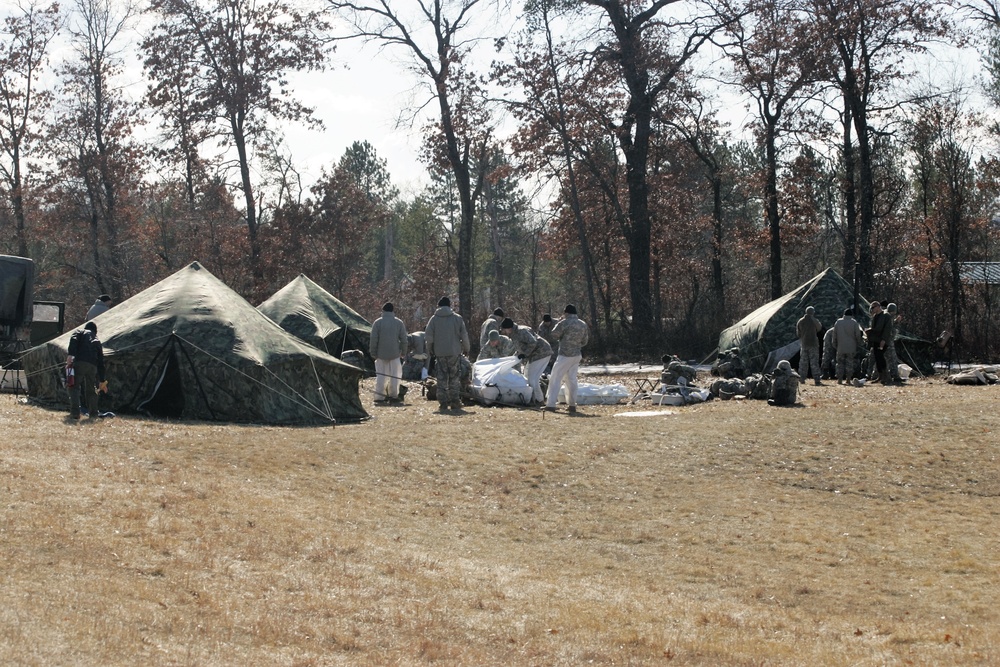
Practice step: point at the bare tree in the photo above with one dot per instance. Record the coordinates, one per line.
(549, 133)
(775, 61)
(24, 42)
(650, 49)
(238, 53)
(868, 42)
(94, 133)
(438, 36)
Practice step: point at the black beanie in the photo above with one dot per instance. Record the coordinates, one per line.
(445, 301)
(499, 312)
(570, 309)
(507, 323)
(90, 326)
(387, 307)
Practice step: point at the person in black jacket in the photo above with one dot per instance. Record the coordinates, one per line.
(878, 339)
(86, 359)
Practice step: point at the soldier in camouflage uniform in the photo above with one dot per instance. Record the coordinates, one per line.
(533, 350)
(878, 339)
(847, 340)
(387, 346)
(808, 329)
(572, 334)
(417, 360)
(545, 328)
(729, 365)
(497, 346)
(447, 338)
(829, 355)
(784, 385)
(491, 323)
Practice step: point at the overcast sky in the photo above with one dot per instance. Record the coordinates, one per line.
(358, 98)
(362, 93)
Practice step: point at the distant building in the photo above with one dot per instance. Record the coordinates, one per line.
(980, 272)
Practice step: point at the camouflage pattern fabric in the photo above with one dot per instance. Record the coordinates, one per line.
(530, 344)
(784, 387)
(189, 347)
(310, 313)
(448, 371)
(892, 359)
(503, 348)
(729, 365)
(773, 325)
(758, 386)
(491, 323)
(572, 333)
(829, 355)
(809, 359)
(845, 366)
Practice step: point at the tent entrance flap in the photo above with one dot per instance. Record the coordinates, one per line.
(167, 399)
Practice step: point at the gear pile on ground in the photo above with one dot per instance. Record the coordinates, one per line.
(976, 375)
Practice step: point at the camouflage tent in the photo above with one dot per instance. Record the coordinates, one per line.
(917, 353)
(772, 326)
(768, 334)
(190, 347)
(306, 310)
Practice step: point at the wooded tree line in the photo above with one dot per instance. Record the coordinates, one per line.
(669, 211)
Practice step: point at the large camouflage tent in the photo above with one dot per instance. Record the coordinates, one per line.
(190, 347)
(768, 334)
(306, 310)
(772, 326)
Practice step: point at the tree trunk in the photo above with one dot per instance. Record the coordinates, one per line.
(239, 139)
(866, 179)
(773, 214)
(499, 277)
(571, 182)
(850, 235)
(639, 242)
(17, 203)
(718, 284)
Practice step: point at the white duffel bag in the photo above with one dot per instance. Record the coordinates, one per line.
(497, 381)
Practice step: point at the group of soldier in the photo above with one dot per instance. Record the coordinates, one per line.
(556, 348)
(843, 342)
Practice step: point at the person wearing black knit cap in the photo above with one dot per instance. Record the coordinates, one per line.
(102, 305)
(387, 346)
(85, 365)
(533, 351)
(447, 340)
(572, 334)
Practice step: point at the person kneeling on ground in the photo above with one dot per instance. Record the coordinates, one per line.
(785, 385)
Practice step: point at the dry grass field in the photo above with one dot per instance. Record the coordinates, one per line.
(858, 528)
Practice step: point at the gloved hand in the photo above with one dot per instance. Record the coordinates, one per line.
(103, 387)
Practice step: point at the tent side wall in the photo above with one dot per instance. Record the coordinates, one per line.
(44, 369)
(286, 392)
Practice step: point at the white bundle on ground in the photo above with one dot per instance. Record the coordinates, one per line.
(497, 381)
(596, 394)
